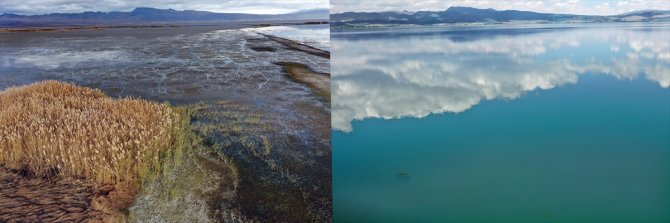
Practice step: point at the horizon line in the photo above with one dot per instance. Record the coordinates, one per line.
(557, 13)
(183, 10)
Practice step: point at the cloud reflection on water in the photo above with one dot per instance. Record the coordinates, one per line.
(52, 59)
(391, 76)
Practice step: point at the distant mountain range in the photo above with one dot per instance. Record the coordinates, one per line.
(150, 15)
(475, 15)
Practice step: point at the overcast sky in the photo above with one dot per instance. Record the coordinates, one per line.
(584, 7)
(32, 7)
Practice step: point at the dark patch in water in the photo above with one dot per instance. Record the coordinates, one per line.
(263, 48)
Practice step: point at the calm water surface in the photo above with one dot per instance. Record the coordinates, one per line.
(502, 124)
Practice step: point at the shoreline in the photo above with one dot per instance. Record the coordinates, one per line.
(64, 28)
(299, 46)
(72, 28)
(301, 73)
(318, 82)
(340, 28)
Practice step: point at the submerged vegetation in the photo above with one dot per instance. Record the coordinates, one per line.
(278, 180)
(246, 128)
(200, 186)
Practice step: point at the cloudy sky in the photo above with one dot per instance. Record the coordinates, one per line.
(585, 7)
(31, 7)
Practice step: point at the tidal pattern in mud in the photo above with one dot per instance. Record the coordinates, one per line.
(275, 129)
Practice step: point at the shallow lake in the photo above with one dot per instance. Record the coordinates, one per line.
(274, 128)
(537, 123)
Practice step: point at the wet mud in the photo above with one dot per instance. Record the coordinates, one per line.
(25, 197)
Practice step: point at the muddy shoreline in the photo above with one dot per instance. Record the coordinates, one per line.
(301, 73)
(299, 46)
(25, 197)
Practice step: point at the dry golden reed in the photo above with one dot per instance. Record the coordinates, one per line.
(81, 132)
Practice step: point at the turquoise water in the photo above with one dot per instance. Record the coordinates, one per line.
(502, 124)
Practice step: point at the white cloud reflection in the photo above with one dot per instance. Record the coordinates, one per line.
(417, 75)
(52, 59)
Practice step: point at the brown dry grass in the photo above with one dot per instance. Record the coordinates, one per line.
(52, 127)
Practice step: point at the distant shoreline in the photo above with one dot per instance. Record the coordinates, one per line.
(350, 27)
(134, 26)
(70, 28)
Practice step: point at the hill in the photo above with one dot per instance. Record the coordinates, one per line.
(475, 15)
(151, 15)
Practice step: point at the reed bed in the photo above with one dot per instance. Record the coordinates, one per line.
(58, 128)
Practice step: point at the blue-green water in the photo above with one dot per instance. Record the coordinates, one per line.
(502, 124)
